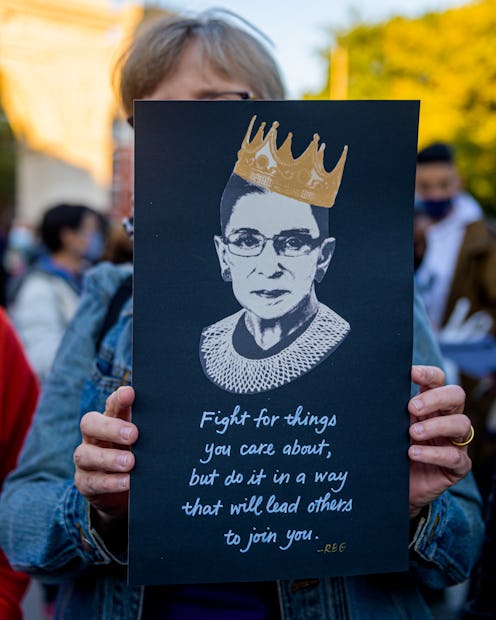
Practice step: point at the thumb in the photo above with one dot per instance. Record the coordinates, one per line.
(118, 404)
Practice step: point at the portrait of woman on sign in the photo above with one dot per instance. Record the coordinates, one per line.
(273, 247)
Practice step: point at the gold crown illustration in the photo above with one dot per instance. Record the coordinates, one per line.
(304, 178)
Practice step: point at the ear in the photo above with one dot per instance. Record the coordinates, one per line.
(221, 249)
(325, 255)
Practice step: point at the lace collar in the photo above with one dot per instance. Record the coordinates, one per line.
(225, 367)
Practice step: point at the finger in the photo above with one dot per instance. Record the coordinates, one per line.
(90, 457)
(448, 458)
(447, 399)
(118, 404)
(452, 427)
(96, 427)
(94, 484)
(427, 377)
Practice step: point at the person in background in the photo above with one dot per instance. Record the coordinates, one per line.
(76, 492)
(18, 397)
(46, 297)
(459, 257)
(455, 252)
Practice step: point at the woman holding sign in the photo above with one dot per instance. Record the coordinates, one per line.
(71, 528)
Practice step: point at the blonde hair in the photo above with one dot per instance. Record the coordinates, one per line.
(232, 51)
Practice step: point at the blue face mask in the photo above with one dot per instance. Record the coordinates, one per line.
(95, 248)
(434, 208)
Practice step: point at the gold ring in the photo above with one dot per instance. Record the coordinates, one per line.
(470, 437)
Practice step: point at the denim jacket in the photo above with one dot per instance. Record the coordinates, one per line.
(45, 525)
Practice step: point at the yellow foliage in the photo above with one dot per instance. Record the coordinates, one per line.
(448, 61)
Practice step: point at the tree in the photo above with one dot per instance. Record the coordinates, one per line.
(447, 61)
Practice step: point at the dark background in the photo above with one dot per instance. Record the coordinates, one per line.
(185, 153)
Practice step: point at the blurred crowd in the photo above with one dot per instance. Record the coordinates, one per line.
(41, 276)
(455, 273)
(42, 272)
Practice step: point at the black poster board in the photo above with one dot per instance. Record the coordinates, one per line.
(304, 475)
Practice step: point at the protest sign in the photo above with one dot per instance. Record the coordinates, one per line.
(272, 339)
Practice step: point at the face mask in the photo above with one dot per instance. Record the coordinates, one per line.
(435, 208)
(20, 239)
(94, 250)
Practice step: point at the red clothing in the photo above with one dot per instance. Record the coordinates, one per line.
(18, 397)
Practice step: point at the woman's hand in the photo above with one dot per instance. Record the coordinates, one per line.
(436, 420)
(103, 460)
